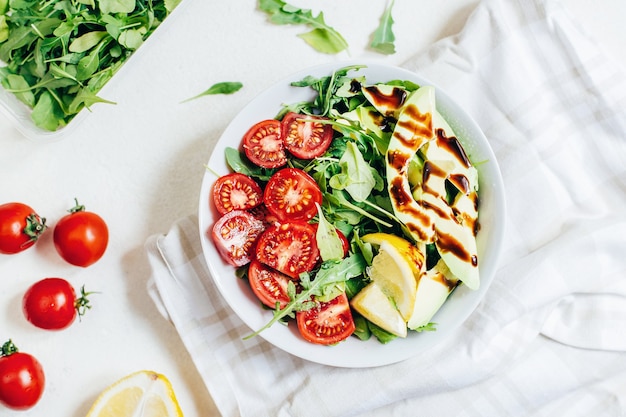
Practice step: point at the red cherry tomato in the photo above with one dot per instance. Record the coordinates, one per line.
(52, 304)
(81, 237)
(22, 379)
(234, 235)
(269, 285)
(304, 136)
(344, 242)
(290, 248)
(236, 192)
(20, 227)
(291, 195)
(263, 144)
(328, 323)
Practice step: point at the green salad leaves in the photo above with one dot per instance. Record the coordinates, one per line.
(323, 37)
(60, 53)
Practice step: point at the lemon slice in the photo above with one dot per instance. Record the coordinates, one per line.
(141, 394)
(414, 255)
(374, 305)
(394, 273)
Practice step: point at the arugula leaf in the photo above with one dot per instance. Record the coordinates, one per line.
(322, 37)
(356, 176)
(329, 275)
(383, 38)
(361, 327)
(238, 162)
(226, 87)
(328, 240)
(116, 6)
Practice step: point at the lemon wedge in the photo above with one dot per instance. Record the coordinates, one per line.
(374, 305)
(396, 269)
(140, 394)
(414, 255)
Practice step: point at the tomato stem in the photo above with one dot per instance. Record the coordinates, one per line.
(8, 348)
(82, 303)
(78, 207)
(35, 226)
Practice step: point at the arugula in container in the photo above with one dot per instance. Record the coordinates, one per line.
(60, 53)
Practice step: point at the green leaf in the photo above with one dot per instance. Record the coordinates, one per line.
(20, 88)
(356, 177)
(383, 38)
(87, 41)
(362, 330)
(325, 40)
(322, 37)
(4, 29)
(238, 162)
(328, 241)
(381, 334)
(85, 98)
(47, 113)
(226, 87)
(131, 38)
(88, 65)
(117, 6)
(170, 5)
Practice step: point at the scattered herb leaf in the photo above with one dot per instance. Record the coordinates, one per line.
(383, 38)
(226, 87)
(322, 37)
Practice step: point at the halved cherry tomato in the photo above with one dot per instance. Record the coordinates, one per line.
(20, 227)
(269, 285)
(305, 137)
(263, 144)
(236, 191)
(234, 235)
(290, 248)
(328, 323)
(291, 194)
(22, 379)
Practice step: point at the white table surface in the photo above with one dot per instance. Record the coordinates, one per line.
(139, 164)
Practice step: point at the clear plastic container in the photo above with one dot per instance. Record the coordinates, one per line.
(19, 113)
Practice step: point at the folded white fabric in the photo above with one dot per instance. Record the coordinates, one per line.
(549, 337)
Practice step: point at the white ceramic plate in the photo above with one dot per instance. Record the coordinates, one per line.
(353, 352)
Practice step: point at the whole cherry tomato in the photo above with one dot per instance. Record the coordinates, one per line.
(52, 304)
(81, 237)
(22, 379)
(20, 227)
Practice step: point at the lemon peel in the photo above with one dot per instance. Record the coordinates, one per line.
(140, 394)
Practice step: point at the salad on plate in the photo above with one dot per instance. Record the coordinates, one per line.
(354, 213)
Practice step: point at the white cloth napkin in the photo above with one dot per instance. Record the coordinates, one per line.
(549, 337)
